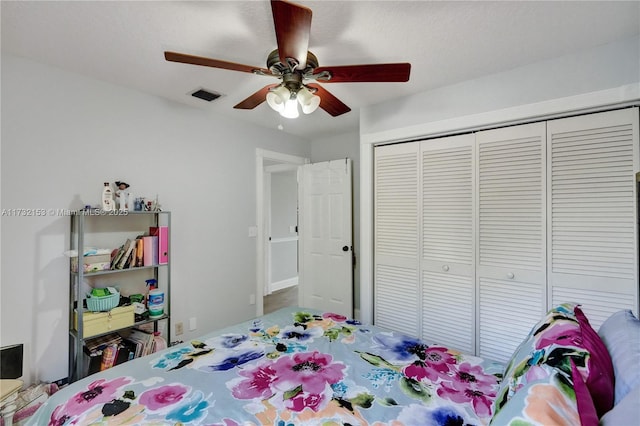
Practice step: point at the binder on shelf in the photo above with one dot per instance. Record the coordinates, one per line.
(139, 252)
(150, 250)
(162, 232)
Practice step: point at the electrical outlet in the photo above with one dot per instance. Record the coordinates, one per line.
(179, 328)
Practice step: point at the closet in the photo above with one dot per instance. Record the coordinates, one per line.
(477, 235)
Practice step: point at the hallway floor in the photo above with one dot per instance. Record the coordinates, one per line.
(280, 299)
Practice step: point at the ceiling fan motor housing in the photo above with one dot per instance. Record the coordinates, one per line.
(276, 67)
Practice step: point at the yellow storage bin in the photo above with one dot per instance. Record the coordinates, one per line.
(103, 322)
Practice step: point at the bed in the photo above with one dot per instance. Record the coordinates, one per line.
(300, 366)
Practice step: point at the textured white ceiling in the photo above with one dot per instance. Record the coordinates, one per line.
(122, 42)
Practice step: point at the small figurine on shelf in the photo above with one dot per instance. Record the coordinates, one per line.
(122, 196)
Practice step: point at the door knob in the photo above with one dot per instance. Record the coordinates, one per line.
(511, 275)
(345, 248)
(445, 268)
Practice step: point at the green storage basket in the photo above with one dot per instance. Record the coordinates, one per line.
(103, 303)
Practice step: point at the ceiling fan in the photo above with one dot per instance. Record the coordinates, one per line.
(298, 68)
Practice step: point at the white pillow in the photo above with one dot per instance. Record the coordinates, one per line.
(621, 335)
(627, 412)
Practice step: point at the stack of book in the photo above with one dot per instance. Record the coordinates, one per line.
(142, 342)
(112, 349)
(144, 250)
(103, 352)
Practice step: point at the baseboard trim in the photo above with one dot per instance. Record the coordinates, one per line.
(281, 285)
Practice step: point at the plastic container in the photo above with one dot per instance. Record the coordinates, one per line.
(103, 303)
(159, 342)
(107, 198)
(156, 303)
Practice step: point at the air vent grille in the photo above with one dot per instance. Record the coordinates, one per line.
(206, 95)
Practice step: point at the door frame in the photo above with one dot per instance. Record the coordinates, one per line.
(263, 167)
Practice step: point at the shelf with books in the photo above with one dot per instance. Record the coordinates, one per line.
(110, 349)
(122, 236)
(117, 271)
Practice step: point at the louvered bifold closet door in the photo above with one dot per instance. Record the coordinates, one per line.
(448, 255)
(396, 250)
(593, 253)
(511, 256)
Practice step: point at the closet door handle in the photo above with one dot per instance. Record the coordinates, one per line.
(445, 268)
(511, 275)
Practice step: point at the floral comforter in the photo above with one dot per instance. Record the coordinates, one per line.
(293, 367)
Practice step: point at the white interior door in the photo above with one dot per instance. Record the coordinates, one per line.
(326, 247)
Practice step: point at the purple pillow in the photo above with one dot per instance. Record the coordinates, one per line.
(599, 374)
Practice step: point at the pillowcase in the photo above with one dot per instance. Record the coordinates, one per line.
(572, 405)
(562, 341)
(621, 335)
(625, 412)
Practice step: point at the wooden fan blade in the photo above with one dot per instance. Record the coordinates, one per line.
(328, 102)
(373, 73)
(292, 23)
(256, 99)
(214, 63)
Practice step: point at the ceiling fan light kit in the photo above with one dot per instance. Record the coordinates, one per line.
(285, 97)
(298, 68)
(308, 101)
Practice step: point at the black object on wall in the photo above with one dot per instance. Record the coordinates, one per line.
(11, 358)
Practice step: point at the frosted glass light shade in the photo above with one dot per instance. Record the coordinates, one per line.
(278, 97)
(308, 101)
(290, 109)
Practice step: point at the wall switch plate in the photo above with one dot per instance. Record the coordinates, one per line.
(253, 231)
(179, 328)
(192, 324)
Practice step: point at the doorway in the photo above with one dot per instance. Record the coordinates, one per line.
(281, 197)
(277, 236)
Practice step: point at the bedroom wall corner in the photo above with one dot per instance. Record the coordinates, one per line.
(62, 136)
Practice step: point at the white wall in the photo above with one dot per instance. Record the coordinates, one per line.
(62, 136)
(583, 81)
(284, 215)
(483, 101)
(345, 146)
